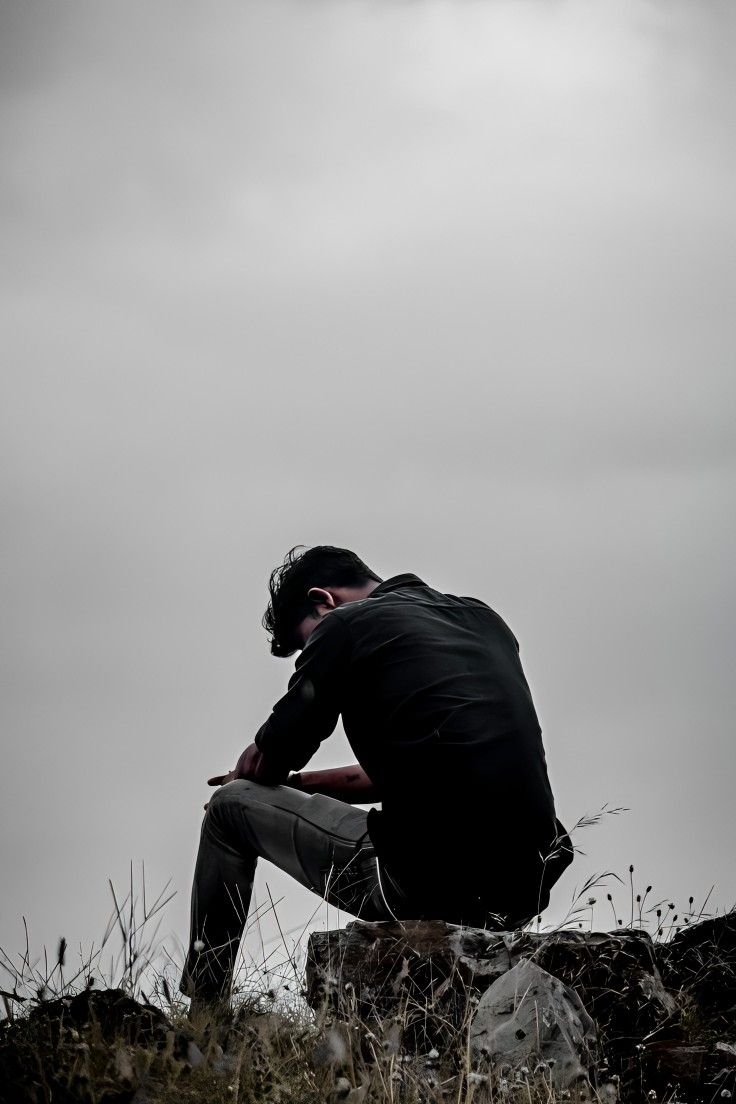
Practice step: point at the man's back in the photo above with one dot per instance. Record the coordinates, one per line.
(436, 707)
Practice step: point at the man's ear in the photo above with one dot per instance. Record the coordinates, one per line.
(321, 597)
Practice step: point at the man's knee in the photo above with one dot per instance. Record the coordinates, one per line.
(237, 792)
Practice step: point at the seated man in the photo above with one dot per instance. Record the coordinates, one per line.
(438, 712)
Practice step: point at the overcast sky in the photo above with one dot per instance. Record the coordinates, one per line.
(450, 284)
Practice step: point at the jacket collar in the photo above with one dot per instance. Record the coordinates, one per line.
(396, 582)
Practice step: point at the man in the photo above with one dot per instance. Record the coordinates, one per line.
(438, 712)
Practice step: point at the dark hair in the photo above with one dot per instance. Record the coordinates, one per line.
(288, 584)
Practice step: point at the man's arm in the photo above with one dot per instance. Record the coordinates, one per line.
(309, 710)
(306, 714)
(350, 784)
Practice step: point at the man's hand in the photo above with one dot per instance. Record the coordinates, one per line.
(252, 765)
(221, 779)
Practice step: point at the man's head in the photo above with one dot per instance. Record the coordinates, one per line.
(306, 587)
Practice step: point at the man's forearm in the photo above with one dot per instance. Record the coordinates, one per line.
(350, 784)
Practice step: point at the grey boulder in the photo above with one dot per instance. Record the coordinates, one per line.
(529, 1021)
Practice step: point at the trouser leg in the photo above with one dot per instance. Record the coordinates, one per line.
(221, 892)
(322, 843)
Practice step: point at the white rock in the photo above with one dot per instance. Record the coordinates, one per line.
(528, 1015)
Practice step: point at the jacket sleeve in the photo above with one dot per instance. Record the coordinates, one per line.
(308, 712)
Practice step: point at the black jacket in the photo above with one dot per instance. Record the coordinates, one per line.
(438, 712)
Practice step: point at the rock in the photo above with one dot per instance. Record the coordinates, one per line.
(700, 962)
(676, 1063)
(617, 977)
(429, 975)
(692, 1068)
(378, 970)
(90, 1046)
(374, 968)
(112, 1011)
(529, 1020)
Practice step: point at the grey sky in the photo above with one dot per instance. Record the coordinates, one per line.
(450, 284)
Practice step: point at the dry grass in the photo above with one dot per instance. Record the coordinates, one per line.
(269, 1046)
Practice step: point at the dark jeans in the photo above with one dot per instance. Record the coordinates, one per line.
(321, 842)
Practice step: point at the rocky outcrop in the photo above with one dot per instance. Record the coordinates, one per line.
(103, 1041)
(371, 967)
(621, 1009)
(700, 962)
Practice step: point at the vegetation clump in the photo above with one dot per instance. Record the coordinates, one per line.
(69, 1038)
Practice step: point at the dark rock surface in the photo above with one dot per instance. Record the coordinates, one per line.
(664, 1012)
(102, 1046)
(700, 962)
(374, 966)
